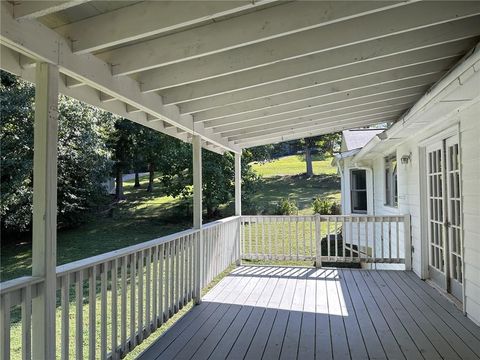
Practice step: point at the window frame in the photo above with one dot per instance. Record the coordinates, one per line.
(354, 191)
(391, 181)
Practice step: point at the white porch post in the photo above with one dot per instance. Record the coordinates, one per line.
(197, 210)
(238, 204)
(45, 209)
(238, 184)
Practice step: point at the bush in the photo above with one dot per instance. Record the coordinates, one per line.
(325, 206)
(286, 206)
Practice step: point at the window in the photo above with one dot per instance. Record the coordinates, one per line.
(391, 187)
(359, 191)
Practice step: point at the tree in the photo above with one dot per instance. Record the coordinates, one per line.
(121, 144)
(324, 144)
(83, 158)
(151, 146)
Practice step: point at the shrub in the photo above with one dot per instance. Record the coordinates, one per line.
(335, 209)
(286, 206)
(325, 206)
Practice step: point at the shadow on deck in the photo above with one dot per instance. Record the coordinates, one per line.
(265, 312)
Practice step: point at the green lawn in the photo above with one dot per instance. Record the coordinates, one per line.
(285, 177)
(293, 165)
(143, 216)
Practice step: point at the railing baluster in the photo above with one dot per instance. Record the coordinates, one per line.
(288, 237)
(397, 239)
(374, 234)
(113, 273)
(161, 286)
(65, 293)
(304, 239)
(256, 237)
(297, 237)
(155, 288)
(92, 314)
(182, 272)
(358, 239)
(319, 232)
(328, 238)
(269, 227)
(79, 316)
(190, 266)
(167, 282)
(133, 309)
(140, 275)
(344, 246)
(350, 235)
(26, 323)
(5, 327)
(177, 275)
(172, 278)
(382, 245)
(311, 237)
(336, 238)
(366, 237)
(148, 283)
(103, 311)
(123, 332)
(389, 239)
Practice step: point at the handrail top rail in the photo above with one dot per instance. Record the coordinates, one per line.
(19, 283)
(328, 216)
(220, 221)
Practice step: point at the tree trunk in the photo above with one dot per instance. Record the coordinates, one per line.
(137, 180)
(151, 170)
(119, 184)
(308, 160)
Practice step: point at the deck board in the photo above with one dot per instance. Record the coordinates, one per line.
(266, 312)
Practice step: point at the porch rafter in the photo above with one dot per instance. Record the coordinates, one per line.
(225, 71)
(217, 37)
(343, 34)
(35, 40)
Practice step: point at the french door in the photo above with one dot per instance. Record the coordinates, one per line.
(444, 215)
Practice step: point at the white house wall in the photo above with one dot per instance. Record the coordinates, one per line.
(410, 178)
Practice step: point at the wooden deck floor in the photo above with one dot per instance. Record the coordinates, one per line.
(301, 313)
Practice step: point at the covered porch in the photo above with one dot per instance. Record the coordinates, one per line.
(278, 312)
(219, 76)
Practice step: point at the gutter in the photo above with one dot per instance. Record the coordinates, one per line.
(457, 76)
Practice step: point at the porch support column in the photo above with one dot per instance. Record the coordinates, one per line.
(238, 184)
(238, 206)
(197, 210)
(44, 235)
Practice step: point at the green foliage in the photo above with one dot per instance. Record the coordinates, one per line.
(325, 206)
(83, 158)
(286, 206)
(16, 139)
(217, 176)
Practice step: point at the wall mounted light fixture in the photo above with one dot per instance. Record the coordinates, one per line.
(405, 159)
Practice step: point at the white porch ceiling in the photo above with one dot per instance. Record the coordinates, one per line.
(238, 73)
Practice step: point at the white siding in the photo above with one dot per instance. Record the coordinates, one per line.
(409, 180)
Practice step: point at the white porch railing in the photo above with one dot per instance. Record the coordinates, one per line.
(120, 297)
(327, 238)
(110, 303)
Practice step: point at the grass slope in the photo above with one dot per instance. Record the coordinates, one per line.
(284, 177)
(143, 216)
(293, 165)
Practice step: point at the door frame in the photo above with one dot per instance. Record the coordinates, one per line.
(422, 151)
